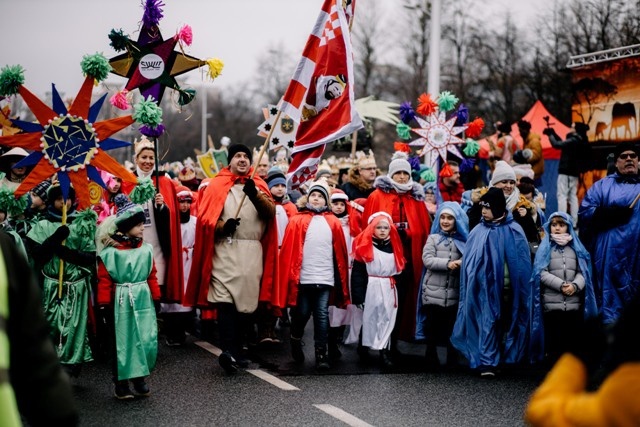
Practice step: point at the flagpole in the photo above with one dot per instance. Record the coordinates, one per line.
(260, 154)
(157, 172)
(354, 144)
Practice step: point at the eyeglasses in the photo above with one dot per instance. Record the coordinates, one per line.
(625, 156)
(368, 169)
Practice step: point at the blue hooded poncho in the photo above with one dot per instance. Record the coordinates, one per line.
(615, 251)
(459, 239)
(477, 332)
(542, 259)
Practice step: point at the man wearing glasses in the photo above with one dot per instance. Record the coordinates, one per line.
(610, 224)
(361, 178)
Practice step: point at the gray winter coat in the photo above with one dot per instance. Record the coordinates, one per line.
(440, 286)
(563, 267)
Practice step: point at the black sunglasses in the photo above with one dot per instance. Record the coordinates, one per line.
(625, 156)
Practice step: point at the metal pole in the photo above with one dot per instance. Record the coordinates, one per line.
(433, 84)
(203, 136)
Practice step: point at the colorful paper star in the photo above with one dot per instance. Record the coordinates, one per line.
(68, 142)
(438, 135)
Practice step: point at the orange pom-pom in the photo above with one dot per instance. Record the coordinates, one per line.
(402, 147)
(446, 171)
(426, 105)
(474, 129)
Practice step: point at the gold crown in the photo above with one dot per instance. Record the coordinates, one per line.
(140, 145)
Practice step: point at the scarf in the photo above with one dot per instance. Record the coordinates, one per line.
(402, 188)
(316, 210)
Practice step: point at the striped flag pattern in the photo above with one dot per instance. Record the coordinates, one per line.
(320, 95)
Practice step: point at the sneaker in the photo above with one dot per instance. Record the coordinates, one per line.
(140, 387)
(173, 343)
(122, 391)
(322, 359)
(228, 363)
(296, 349)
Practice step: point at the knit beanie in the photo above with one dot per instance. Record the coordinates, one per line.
(502, 172)
(40, 190)
(54, 191)
(239, 148)
(399, 164)
(494, 200)
(128, 215)
(184, 194)
(275, 176)
(322, 188)
(337, 194)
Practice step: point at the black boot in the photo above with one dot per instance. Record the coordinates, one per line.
(296, 349)
(322, 360)
(363, 352)
(386, 360)
(432, 363)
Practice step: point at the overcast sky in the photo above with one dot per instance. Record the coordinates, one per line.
(49, 37)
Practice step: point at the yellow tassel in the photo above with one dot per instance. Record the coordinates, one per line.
(215, 67)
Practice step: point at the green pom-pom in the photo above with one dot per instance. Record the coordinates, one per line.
(143, 191)
(147, 112)
(95, 66)
(447, 101)
(11, 78)
(428, 175)
(472, 148)
(403, 130)
(119, 40)
(9, 204)
(186, 96)
(86, 223)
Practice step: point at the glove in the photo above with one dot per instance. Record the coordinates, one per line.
(59, 235)
(250, 188)
(230, 226)
(612, 216)
(157, 307)
(550, 132)
(518, 157)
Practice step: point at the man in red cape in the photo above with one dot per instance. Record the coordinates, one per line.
(235, 258)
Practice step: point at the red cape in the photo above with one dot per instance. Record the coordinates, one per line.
(291, 258)
(174, 280)
(210, 204)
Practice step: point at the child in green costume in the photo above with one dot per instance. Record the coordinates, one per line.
(128, 296)
(48, 242)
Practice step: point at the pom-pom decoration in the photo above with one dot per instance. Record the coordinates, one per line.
(472, 148)
(414, 161)
(119, 41)
(402, 147)
(467, 165)
(185, 35)
(147, 112)
(407, 114)
(474, 129)
(185, 96)
(10, 204)
(426, 105)
(143, 191)
(403, 130)
(95, 66)
(215, 67)
(152, 132)
(446, 171)
(86, 222)
(462, 115)
(120, 100)
(11, 79)
(152, 63)
(446, 101)
(69, 142)
(428, 175)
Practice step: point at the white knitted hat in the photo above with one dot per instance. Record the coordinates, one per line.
(399, 163)
(502, 172)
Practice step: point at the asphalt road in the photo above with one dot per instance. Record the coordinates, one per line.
(188, 388)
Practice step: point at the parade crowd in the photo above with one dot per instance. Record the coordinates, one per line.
(477, 268)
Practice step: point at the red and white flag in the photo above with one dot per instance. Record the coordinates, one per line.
(320, 96)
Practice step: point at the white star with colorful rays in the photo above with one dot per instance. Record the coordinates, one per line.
(438, 135)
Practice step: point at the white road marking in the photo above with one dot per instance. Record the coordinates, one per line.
(209, 347)
(257, 372)
(272, 380)
(343, 416)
